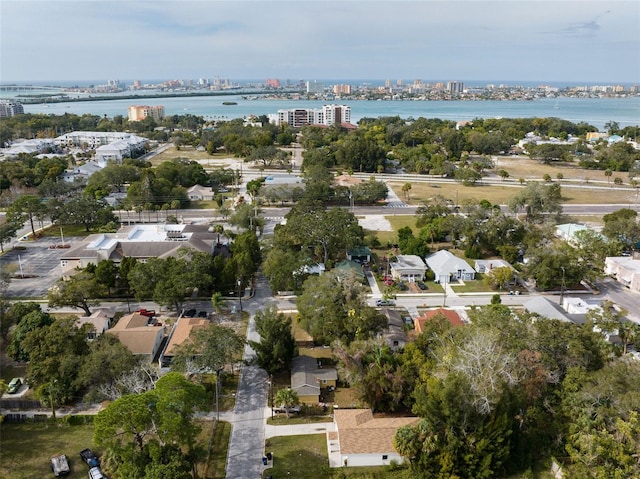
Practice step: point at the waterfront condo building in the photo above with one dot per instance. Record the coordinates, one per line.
(10, 108)
(140, 112)
(328, 115)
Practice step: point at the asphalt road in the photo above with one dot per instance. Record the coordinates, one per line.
(246, 445)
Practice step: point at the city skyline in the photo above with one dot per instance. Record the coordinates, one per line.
(562, 41)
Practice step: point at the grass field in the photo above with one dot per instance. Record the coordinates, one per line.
(217, 160)
(26, 449)
(306, 457)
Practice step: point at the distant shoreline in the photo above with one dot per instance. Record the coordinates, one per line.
(31, 100)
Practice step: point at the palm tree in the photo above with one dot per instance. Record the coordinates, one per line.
(287, 398)
(216, 302)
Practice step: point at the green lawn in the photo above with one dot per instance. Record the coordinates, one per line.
(306, 457)
(26, 448)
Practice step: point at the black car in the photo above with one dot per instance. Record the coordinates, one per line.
(90, 458)
(421, 285)
(203, 314)
(191, 313)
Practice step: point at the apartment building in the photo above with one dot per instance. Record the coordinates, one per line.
(328, 115)
(140, 112)
(10, 108)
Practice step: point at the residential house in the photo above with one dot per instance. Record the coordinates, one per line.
(100, 320)
(364, 440)
(625, 269)
(142, 335)
(448, 267)
(309, 376)
(408, 267)
(394, 335)
(450, 315)
(180, 333)
(81, 173)
(200, 193)
(346, 268)
(486, 265)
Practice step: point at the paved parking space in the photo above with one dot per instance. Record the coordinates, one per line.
(39, 265)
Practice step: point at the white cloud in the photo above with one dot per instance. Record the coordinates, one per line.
(319, 39)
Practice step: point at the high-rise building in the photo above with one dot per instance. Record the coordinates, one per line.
(314, 87)
(10, 108)
(140, 112)
(455, 87)
(328, 115)
(342, 89)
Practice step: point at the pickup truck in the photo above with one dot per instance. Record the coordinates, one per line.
(150, 313)
(60, 465)
(90, 458)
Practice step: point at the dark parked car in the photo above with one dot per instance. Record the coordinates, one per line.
(191, 313)
(90, 458)
(421, 285)
(203, 314)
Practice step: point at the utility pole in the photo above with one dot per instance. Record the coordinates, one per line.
(562, 287)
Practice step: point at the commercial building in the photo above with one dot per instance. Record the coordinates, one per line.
(140, 112)
(10, 108)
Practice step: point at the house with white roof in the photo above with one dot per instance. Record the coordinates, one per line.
(200, 193)
(408, 267)
(486, 265)
(141, 242)
(446, 267)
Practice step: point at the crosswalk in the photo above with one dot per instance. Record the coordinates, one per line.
(396, 204)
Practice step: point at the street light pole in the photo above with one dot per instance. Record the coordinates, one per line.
(239, 293)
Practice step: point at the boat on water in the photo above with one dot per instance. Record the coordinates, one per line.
(229, 103)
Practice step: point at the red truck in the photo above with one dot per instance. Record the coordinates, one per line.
(150, 313)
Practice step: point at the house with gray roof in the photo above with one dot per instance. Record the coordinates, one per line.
(141, 242)
(309, 376)
(448, 267)
(408, 267)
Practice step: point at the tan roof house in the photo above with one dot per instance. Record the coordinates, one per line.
(100, 321)
(309, 376)
(139, 334)
(179, 334)
(365, 440)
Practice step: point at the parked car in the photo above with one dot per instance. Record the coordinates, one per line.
(96, 473)
(385, 302)
(283, 409)
(203, 314)
(147, 312)
(90, 458)
(60, 465)
(14, 385)
(421, 285)
(191, 313)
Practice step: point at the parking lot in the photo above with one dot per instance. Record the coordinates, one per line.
(34, 269)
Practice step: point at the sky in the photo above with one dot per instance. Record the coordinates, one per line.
(509, 40)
